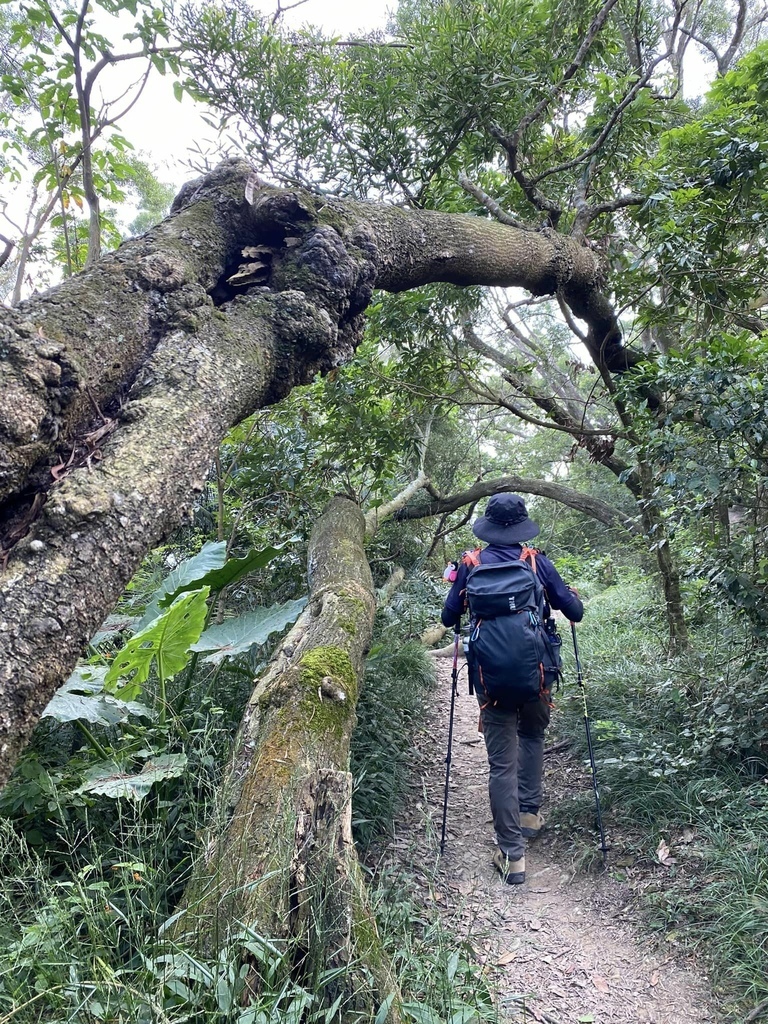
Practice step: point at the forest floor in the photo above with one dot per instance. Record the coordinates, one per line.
(562, 948)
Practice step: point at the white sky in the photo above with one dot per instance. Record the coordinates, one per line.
(165, 129)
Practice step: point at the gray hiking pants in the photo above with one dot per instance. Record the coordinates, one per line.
(514, 741)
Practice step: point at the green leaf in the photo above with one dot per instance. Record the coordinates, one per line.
(186, 576)
(168, 641)
(421, 1014)
(76, 700)
(236, 636)
(106, 710)
(105, 781)
(383, 1011)
(235, 568)
(463, 1013)
(85, 679)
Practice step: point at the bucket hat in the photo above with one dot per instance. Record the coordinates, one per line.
(505, 521)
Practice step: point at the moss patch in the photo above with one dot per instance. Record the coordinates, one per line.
(326, 714)
(355, 612)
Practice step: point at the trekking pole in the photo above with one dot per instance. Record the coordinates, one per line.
(454, 691)
(580, 681)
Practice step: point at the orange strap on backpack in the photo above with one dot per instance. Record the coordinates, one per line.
(471, 558)
(529, 555)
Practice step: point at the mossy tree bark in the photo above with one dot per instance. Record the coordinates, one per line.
(117, 386)
(280, 858)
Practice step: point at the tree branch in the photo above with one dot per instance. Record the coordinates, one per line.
(8, 247)
(59, 27)
(724, 62)
(569, 319)
(490, 204)
(444, 531)
(280, 11)
(376, 516)
(702, 42)
(593, 507)
(581, 54)
(610, 124)
(631, 199)
(511, 143)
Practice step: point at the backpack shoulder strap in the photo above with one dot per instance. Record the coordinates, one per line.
(529, 555)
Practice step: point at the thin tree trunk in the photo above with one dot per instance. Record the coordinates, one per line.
(655, 530)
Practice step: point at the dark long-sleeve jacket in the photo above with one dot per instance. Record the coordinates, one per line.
(557, 593)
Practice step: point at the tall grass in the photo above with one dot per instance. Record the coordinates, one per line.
(681, 755)
(86, 907)
(439, 976)
(399, 680)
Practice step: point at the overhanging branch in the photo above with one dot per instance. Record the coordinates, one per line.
(593, 507)
(176, 337)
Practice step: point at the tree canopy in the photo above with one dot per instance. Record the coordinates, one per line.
(497, 246)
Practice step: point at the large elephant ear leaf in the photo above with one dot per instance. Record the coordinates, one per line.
(235, 568)
(188, 575)
(80, 700)
(108, 781)
(102, 710)
(167, 641)
(237, 636)
(209, 568)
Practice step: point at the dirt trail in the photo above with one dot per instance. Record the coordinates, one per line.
(563, 942)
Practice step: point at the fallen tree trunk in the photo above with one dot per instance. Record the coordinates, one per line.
(445, 652)
(280, 860)
(117, 386)
(387, 592)
(432, 634)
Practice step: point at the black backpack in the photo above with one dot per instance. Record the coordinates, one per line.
(513, 652)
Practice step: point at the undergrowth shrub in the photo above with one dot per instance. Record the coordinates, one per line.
(415, 606)
(399, 678)
(680, 746)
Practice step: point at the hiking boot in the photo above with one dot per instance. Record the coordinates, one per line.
(531, 824)
(511, 871)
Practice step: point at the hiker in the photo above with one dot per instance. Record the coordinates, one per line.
(513, 720)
